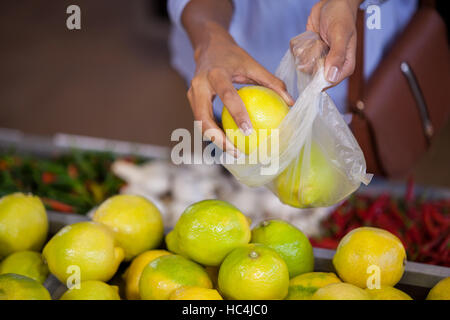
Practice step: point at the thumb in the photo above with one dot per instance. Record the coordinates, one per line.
(340, 60)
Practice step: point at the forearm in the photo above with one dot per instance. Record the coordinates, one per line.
(201, 18)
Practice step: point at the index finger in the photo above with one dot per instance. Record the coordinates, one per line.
(259, 74)
(224, 88)
(200, 101)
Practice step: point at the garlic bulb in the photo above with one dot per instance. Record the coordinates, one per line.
(152, 178)
(173, 188)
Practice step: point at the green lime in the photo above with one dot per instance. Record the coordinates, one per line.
(26, 263)
(167, 273)
(289, 242)
(207, 231)
(303, 287)
(92, 290)
(253, 272)
(18, 287)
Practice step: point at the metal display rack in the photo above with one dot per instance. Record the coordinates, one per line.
(416, 281)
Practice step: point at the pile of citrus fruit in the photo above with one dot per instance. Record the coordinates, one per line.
(211, 254)
(294, 186)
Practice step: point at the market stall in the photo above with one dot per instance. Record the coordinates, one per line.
(73, 177)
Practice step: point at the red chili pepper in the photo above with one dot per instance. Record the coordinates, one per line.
(340, 221)
(424, 227)
(376, 208)
(435, 258)
(428, 222)
(412, 213)
(327, 224)
(427, 248)
(351, 227)
(383, 221)
(72, 171)
(438, 217)
(396, 216)
(361, 213)
(48, 177)
(326, 243)
(57, 205)
(415, 234)
(3, 165)
(445, 245)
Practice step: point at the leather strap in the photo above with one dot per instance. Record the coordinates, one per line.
(356, 80)
(360, 126)
(429, 3)
(370, 125)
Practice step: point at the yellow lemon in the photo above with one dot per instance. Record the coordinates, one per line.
(303, 287)
(340, 291)
(312, 188)
(133, 274)
(87, 247)
(441, 291)
(289, 242)
(195, 293)
(167, 273)
(266, 110)
(387, 293)
(366, 253)
(18, 287)
(26, 263)
(171, 242)
(253, 272)
(92, 290)
(208, 230)
(136, 222)
(23, 223)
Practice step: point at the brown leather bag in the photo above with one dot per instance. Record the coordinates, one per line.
(407, 99)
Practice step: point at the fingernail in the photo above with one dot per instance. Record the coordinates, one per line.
(291, 100)
(333, 74)
(233, 152)
(288, 99)
(246, 128)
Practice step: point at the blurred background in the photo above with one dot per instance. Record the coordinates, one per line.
(87, 114)
(110, 79)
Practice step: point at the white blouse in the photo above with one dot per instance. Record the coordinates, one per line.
(264, 27)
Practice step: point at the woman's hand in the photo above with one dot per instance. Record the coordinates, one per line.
(220, 62)
(335, 22)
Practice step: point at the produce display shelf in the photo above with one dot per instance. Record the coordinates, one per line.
(46, 146)
(417, 279)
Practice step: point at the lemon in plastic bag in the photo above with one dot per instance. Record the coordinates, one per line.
(317, 161)
(310, 188)
(266, 109)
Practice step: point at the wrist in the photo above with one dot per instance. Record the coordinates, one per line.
(203, 20)
(355, 3)
(213, 34)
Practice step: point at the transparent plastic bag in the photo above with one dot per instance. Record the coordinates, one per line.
(318, 162)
